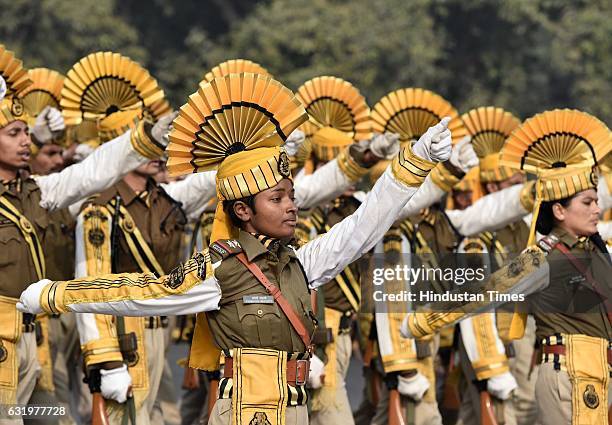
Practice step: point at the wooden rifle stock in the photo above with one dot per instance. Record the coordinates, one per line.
(451, 399)
(98, 410)
(191, 378)
(212, 393)
(396, 416)
(487, 415)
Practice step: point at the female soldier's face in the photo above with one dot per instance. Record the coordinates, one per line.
(581, 216)
(275, 212)
(15, 146)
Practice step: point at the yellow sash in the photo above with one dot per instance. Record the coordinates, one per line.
(10, 332)
(259, 386)
(587, 367)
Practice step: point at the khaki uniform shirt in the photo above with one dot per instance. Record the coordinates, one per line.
(554, 306)
(242, 321)
(159, 218)
(17, 269)
(59, 245)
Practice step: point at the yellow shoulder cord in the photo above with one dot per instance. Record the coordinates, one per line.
(28, 232)
(139, 248)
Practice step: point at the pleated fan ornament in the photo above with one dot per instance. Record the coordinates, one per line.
(561, 147)
(235, 66)
(489, 127)
(16, 80)
(409, 112)
(231, 114)
(110, 89)
(45, 90)
(11, 69)
(337, 112)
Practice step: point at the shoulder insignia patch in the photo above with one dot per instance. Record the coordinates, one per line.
(226, 247)
(548, 243)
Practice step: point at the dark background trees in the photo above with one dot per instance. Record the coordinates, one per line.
(526, 56)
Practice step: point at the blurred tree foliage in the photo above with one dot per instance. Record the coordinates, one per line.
(524, 55)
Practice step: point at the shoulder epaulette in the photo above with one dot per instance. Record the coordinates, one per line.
(548, 243)
(225, 247)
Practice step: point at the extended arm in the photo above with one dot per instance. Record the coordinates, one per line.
(324, 257)
(193, 192)
(100, 170)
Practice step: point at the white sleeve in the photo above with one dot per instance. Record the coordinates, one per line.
(605, 229)
(325, 184)
(193, 192)
(100, 170)
(429, 193)
(603, 195)
(468, 335)
(324, 257)
(491, 212)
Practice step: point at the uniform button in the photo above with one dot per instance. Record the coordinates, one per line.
(260, 312)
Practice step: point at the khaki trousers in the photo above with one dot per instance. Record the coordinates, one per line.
(554, 396)
(426, 413)
(222, 414)
(29, 370)
(523, 398)
(194, 403)
(340, 413)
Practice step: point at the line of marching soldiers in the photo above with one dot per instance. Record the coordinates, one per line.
(85, 192)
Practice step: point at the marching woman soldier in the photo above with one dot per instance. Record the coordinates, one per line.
(251, 287)
(565, 277)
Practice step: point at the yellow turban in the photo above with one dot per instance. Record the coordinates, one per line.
(118, 123)
(11, 109)
(245, 174)
(492, 171)
(328, 142)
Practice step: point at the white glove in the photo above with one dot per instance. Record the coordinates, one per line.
(48, 121)
(163, 127)
(501, 386)
(413, 387)
(115, 383)
(315, 374)
(435, 144)
(2, 88)
(29, 301)
(404, 329)
(463, 155)
(385, 146)
(82, 151)
(295, 139)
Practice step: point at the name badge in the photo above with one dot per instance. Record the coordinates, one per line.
(258, 299)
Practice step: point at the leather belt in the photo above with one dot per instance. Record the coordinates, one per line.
(28, 324)
(154, 322)
(560, 350)
(297, 371)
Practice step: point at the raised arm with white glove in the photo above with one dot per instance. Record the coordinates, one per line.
(103, 168)
(48, 122)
